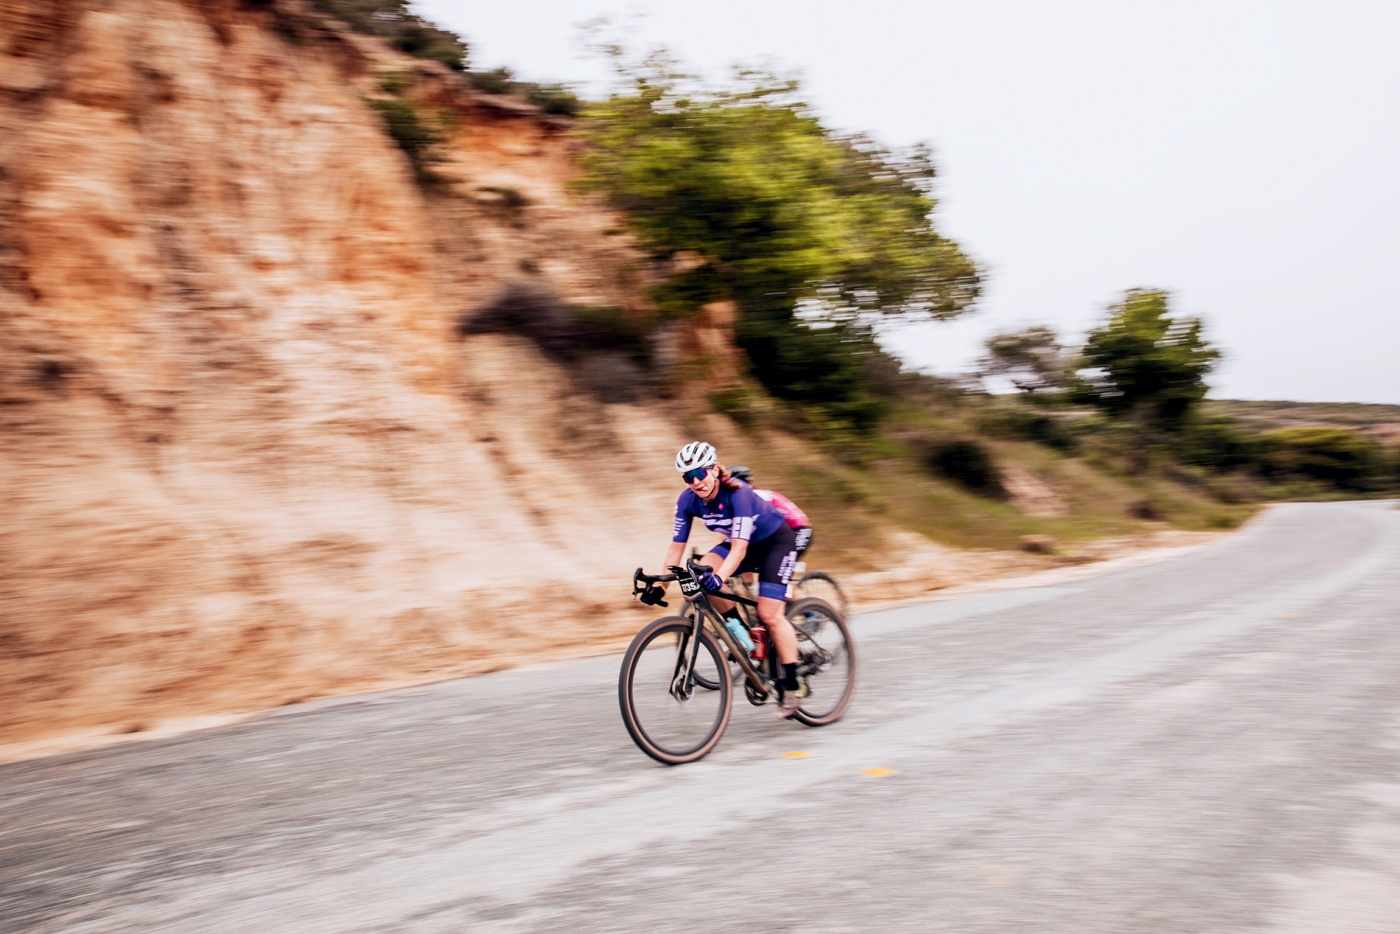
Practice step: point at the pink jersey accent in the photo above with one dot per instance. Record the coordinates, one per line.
(795, 517)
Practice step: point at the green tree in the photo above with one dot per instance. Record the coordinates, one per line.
(777, 213)
(1033, 360)
(1144, 363)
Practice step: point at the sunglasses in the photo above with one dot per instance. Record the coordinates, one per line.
(696, 475)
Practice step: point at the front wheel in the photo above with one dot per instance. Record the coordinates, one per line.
(667, 717)
(826, 660)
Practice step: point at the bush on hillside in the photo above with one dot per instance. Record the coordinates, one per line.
(1222, 445)
(605, 348)
(391, 21)
(821, 368)
(566, 333)
(1344, 459)
(417, 137)
(1022, 424)
(553, 99)
(495, 81)
(965, 462)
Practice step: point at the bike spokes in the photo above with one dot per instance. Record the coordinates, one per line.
(826, 660)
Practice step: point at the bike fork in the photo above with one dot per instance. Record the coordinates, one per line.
(687, 650)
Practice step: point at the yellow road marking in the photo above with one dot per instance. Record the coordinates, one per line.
(880, 773)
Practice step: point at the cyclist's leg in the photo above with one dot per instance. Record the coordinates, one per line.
(774, 573)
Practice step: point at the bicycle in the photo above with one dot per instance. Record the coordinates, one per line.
(674, 723)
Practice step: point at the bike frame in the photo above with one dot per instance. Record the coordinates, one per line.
(703, 611)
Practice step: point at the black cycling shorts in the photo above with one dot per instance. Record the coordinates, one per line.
(773, 559)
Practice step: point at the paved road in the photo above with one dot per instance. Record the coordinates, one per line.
(1210, 744)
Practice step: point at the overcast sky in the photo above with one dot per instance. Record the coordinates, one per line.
(1242, 154)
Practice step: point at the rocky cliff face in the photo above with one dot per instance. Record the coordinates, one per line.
(244, 454)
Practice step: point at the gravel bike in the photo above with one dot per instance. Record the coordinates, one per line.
(673, 722)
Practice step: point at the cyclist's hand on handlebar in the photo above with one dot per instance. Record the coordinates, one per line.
(652, 596)
(711, 582)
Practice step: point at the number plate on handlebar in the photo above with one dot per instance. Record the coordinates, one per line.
(690, 587)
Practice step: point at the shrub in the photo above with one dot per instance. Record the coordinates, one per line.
(391, 21)
(495, 81)
(966, 463)
(1027, 425)
(815, 368)
(416, 137)
(551, 98)
(1218, 444)
(1145, 510)
(1336, 456)
(566, 333)
(554, 99)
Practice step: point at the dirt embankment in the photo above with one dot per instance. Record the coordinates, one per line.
(246, 456)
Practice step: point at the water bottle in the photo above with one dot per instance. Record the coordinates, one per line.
(760, 644)
(741, 635)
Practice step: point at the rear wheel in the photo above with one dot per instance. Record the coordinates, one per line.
(823, 586)
(826, 660)
(668, 717)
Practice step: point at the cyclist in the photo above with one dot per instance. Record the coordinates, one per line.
(757, 538)
(795, 517)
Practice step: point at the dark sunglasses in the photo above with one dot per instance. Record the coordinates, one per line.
(692, 476)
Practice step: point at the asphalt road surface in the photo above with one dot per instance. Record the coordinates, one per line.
(1208, 744)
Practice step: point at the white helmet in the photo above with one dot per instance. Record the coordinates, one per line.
(696, 454)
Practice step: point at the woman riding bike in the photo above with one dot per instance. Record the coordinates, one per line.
(758, 538)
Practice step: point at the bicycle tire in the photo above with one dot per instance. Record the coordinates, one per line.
(649, 648)
(823, 586)
(820, 628)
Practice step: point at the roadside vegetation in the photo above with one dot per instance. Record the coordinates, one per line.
(815, 238)
(406, 32)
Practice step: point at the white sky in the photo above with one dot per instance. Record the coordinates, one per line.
(1243, 154)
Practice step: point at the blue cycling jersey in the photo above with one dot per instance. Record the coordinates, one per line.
(741, 515)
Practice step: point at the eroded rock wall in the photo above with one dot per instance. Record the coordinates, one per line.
(244, 456)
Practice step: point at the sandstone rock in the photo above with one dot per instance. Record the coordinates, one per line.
(245, 456)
